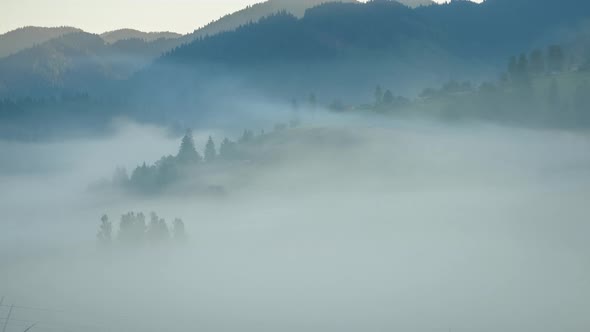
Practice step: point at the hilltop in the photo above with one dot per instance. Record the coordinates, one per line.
(123, 34)
(23, 38)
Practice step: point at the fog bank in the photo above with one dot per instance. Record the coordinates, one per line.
(348, 227)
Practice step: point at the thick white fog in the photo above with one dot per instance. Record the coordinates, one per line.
(349, 227)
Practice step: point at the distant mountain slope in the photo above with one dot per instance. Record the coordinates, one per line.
(75, 62)
(337, 49)
(328, 30)
(71, 60)
(23, 38)
(489, 29)
(334, 45)
(254, 13)
(122, 34)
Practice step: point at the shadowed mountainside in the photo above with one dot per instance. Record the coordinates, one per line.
(342, 48)
(253, 14)
(334, 49)
(464, 28)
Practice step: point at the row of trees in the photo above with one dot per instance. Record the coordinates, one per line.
(188, 153)
(169, 169)
(539, 62)
(134, 229)
(449, 88)
(538, 89)
(387, 98)
(150, 179)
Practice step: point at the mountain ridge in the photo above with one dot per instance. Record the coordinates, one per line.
(122, 34)
(74, 62)
(252, 14)
(19, 39)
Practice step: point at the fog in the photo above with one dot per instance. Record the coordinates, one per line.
(349, 225)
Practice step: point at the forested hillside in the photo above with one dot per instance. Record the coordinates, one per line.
(123, 34)
(336, 52)
(75, 63)
(23, 38)
(463, 28)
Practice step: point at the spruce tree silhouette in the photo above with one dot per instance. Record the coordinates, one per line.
(105, 232)
(188, 153)
(210, 151)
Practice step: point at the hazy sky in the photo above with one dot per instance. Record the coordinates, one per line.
(99, 16)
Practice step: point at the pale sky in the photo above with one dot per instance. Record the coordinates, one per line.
(98, 16)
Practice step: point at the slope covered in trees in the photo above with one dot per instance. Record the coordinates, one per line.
(325, 31)
(253, 14)
(378, 41)
(123, 34)
(125, 51)
(338, 52)
(75, 62)
(341, 48)
(546, 87)
(191, 171)
(494, 27)
(17, 40)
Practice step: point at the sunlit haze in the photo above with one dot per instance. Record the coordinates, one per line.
(181, 16)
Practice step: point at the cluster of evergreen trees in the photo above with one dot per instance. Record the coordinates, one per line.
(521, 68)
(544, 85)
(388, 99)
(152, 178)
(149, 179)
(542, 88)
(134, 229)
(520, 72)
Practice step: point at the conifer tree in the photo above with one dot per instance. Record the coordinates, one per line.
(210, 151)
(105, 232)
(157, 230)
(130, 229)
(537, 62)
(178, 230)
(247, 136)
(556, 58)
(378, 95)
(388, 97)
(227, 149)
(188, 153)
